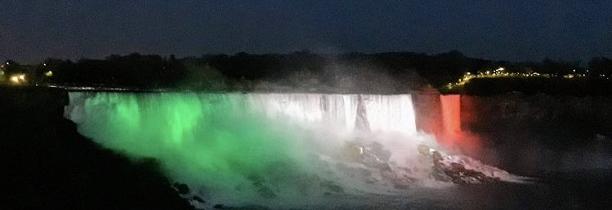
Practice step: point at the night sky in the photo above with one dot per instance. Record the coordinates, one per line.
(512, 30)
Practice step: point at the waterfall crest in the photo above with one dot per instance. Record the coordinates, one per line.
(377, 113)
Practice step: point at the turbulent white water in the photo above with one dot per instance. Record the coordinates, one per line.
(275, 149)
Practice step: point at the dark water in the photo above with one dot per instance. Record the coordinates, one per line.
(577, 190)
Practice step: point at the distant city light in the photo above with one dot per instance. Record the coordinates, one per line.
(17, 79)
(500, 73)
(14, 79)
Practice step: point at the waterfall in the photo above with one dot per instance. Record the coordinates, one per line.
(279, 149)
(225, 142)
(451, 117)
(376, 113)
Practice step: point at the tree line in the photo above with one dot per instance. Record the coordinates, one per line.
(394, 71)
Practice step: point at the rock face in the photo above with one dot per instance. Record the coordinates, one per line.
(457, 173)
(527, 134)
(519, 111)
(443, 167)
(535, 134)
(588, 115)
(48, 165)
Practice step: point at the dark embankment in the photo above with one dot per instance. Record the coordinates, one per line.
(542, 133)
(46, 164)
(535, 85)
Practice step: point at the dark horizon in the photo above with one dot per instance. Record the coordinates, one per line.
(579, 63)
(496, 30)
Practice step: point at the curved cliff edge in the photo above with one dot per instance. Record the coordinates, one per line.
(46, 164)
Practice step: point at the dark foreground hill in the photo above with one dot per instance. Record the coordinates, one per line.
(46, 164)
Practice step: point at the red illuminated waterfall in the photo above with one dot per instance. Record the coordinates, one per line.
(452, 134)
(451, 118)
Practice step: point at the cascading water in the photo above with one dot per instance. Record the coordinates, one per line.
(378, 113)
(280, 150)
(451, 117)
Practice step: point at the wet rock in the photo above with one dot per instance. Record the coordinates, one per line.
(198, 199)
(262, 189)
(181, 188)
(455, 172)
(248, 207)
(332, 187)
(372, 154)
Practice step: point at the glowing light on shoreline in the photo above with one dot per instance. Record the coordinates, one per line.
(17, 79)
(500, 73)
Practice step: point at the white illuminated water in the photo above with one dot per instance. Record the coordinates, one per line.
(376, 113)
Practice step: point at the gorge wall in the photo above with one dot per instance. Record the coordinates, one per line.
(527, 134)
